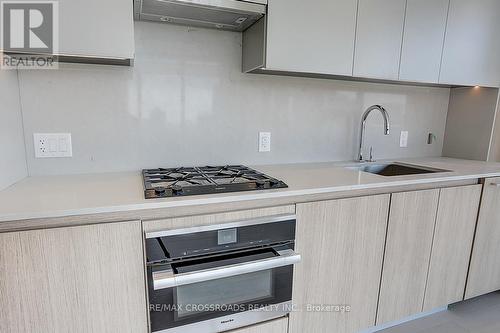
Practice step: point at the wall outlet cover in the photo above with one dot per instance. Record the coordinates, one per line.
(49, 145)
(403, 140)
(264, 142)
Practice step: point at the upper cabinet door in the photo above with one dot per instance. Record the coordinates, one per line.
(378, 38)
(423, 39)
(310, 37)
(471, 54)
(96, 28)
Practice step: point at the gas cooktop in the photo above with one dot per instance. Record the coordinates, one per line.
(172, 182)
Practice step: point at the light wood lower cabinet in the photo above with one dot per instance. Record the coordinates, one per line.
(484, 273)
(452, 245)
(401, 254)
(342, 245)
(429, 241)
(408, 249)
(77, 279)
(273, 326)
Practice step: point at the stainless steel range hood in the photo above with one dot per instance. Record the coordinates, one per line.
(234, 15)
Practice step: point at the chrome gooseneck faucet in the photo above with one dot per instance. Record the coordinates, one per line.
(363, 126)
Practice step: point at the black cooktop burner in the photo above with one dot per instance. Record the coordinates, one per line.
(159, 183)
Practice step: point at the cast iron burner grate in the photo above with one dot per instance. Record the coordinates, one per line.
(172, 182)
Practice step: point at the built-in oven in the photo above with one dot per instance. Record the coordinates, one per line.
(220, 277)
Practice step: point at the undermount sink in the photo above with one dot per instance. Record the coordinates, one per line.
(395, 169)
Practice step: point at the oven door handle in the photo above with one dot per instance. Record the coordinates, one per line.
(166, 279)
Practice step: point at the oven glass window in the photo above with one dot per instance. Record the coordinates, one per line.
(224, 294)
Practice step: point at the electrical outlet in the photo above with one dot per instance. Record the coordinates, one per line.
(403, 140)
(52, 145)
(264, 142)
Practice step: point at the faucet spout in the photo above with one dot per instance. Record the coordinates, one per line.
(385, 115)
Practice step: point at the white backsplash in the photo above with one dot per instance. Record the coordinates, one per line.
(12, 153)
(186, 102)
(469, 125)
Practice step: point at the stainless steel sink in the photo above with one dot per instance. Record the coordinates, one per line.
(395, 169)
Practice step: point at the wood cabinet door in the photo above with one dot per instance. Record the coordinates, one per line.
(408, 248)
(471, 54)
(76, 279)
(273, 326)
(378, 38)
(313, 37)
(425, 25)
(342, 245)
(484, 272)
(452, 245)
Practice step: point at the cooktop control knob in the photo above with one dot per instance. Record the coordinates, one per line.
(176, 190)
(160, 190)
(260, 183)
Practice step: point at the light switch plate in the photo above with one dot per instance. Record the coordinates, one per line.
(49, 145)
(403, 140)
(264, 142)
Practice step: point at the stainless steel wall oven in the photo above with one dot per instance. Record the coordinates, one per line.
(220, 277)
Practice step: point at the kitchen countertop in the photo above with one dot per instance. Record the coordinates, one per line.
(51, 197)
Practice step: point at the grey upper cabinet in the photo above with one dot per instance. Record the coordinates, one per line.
(95, 28)
(449, 42)
(471, 54)
(310, 37)
(378, 38)
(423, 39)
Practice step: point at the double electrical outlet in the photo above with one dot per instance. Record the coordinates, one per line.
(52, 145)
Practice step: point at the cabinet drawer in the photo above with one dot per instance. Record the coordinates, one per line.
(273, 326)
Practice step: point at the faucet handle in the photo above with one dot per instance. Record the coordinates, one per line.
(371, 155)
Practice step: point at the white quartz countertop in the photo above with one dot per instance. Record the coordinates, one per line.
(73, 195)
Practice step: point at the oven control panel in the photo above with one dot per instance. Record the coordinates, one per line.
(178, 244)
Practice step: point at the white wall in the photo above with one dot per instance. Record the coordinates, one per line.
(494, 155)
(186, 102)
(469, 123)
(12, 152)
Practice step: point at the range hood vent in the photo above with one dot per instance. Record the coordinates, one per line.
(233, 15)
